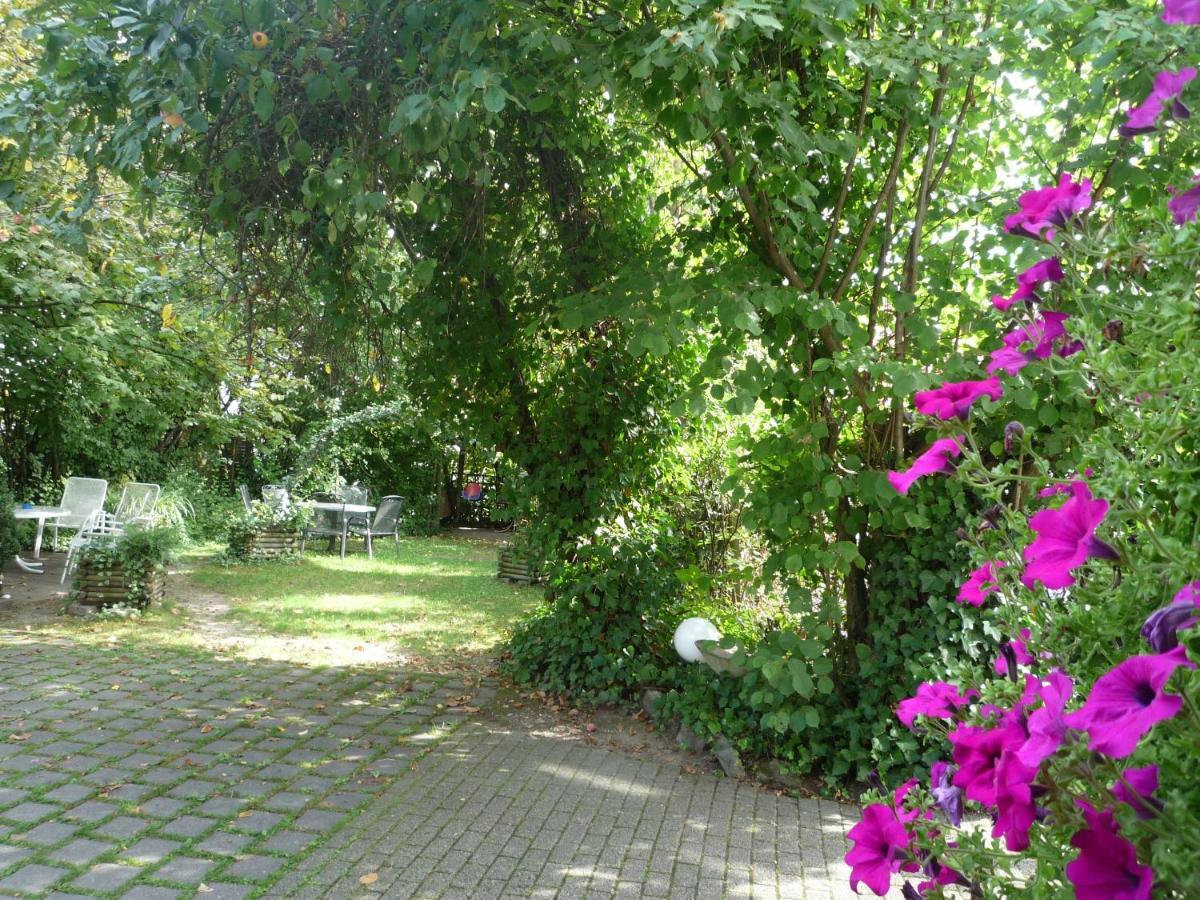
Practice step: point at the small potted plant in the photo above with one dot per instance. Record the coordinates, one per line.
(267, 532)
(127, 569)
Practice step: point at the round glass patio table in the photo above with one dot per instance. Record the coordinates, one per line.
(41, 513)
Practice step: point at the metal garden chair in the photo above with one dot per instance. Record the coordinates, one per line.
(244, 493)
(137, 502)
(329, 523)
(276, 496)
(386, 523)
(98, 525)
(81, 497)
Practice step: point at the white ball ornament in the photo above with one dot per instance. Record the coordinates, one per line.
(690, 631)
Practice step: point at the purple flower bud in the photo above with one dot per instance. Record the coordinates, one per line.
(1014, 432)
(1114, 330)
(961, 534)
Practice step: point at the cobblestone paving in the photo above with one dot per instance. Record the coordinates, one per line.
(155, 774)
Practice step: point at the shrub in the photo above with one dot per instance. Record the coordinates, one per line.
(138, 553)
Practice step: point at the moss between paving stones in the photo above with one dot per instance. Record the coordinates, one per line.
(120, 821)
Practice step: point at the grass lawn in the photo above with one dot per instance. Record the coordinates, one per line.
(435, 597)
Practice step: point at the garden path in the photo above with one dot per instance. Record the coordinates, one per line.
(146, 771)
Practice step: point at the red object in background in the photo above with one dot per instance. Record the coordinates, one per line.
(472, 491)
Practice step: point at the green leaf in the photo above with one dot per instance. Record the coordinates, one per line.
(318, 88)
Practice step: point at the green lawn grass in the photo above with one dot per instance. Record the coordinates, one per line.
(435, 597)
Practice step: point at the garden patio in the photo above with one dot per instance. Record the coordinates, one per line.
(168, 758)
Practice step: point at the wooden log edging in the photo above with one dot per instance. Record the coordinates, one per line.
(516, 567)
(108, 587)
(271, 543)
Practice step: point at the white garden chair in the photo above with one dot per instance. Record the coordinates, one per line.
(99, 524)
(137, 502)
(81, 497)
(276, 496)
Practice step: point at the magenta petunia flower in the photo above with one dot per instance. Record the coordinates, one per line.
(977, 753)
(946, 795)
(953, 400)
(1043, 334)
(1181, 12)
(880, 848)
(1015, 810)
(1167, 88)
(1030, 282)
(935, 699)
(1160, 628)
(1127, 701)
(1065, 539)
(1020, 654)
(1184, 205)
(981, 582)
(1107, 867)
(1047, 725)
(1043, 210)
(1136, 788)
(935, 460)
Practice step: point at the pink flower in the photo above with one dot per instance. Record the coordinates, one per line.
(935, 699)
(1030, 282)
(1107, 867)
(1019, 652)
(1043, 210)
(1136, 788)
(1160, 629)
(1015, 810)
(1127, 701)
(1183, 206)
(934, 460)
(1065, 539)
(1181, 12)
(1043, 333)
(1167, 87)
(981, 582)
(953, 400)
(977, 752)
(1047, 726)
(880, 848)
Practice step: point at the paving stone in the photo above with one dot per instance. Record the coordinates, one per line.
(319, 820)
(106, 877)
(224, 843)
(227, 891)
(147, 892)
(47, 834)
(149, 850)
(254, 868)
(122, 828)
(286, 801)
(288, 841)
(187, 826)
(184, 870)
(162, 807)
(30, 812)
(32, 879)
(92, 811)
(70, 793)
(10, 854)
(255, 821)
(80, 852)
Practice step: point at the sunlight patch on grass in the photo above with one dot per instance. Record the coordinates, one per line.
(433, 597)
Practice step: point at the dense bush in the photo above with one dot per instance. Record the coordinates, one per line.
(1080, 746)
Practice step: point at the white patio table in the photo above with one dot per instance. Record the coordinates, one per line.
(349, 510)
(41, 513)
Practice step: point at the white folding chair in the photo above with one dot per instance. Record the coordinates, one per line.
(81, 497)
(99, 524)
(137, 502)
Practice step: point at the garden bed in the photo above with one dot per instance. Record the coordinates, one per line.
(517, 567)
(109, 585)
(267, 543)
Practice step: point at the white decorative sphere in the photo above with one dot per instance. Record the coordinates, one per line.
(690, 631)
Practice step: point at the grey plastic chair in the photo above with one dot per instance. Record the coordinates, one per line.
(326, 523)
(386, 523)
(137, 502)
(81, 497)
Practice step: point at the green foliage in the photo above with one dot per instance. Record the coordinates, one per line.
(10, 541)
(606, 627)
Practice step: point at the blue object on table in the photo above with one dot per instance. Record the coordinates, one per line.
(26, 505)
